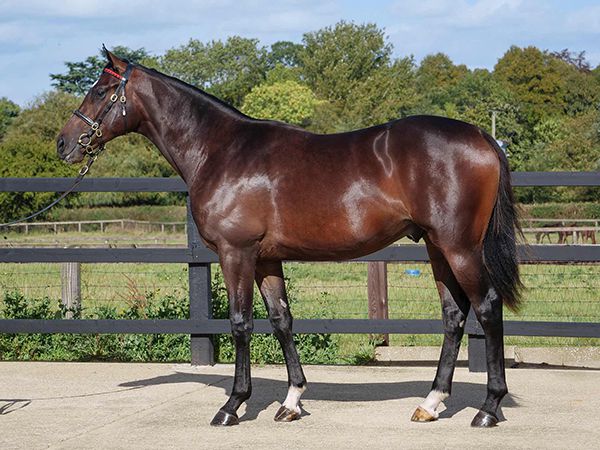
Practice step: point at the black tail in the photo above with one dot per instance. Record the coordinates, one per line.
(500, 242)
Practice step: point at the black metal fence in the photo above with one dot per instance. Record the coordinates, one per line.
(201, 326)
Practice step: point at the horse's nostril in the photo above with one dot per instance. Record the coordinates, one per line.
(60, 144)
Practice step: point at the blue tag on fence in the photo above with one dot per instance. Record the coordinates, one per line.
(413, 272)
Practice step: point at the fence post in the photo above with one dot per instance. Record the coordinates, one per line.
(201, 345)
(377, 289)
(476, 347)
(71, 287)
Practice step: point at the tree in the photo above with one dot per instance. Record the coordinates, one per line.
(82, 74)
(387, 94)
(581, 92)
(573, 146)
(287, 101)
(475, 96)
(577, 146)
(337, 59)
(285, 53)
(8, 111)
(349, 66)
(596, 73)
(29, 150)
(535, 78)
(436, 75)
(577, 60)
(228, 70)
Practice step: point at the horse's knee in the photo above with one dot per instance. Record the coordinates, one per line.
(454, 321)
(241, 327)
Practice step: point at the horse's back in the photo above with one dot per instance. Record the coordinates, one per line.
(351, 193)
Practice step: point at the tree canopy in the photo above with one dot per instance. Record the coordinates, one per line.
(228, 70)
(338, 78)
(286, 101)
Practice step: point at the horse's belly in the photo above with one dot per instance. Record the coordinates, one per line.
(335, 240)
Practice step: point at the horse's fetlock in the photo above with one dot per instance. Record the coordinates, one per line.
(242, 394)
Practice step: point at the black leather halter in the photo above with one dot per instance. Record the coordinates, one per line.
(86, 140)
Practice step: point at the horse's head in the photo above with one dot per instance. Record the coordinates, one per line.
(108, 110)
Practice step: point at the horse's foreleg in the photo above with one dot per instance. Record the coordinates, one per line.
(270, 281)
(238, 271)
(455, 308)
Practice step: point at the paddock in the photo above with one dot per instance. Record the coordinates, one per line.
(84, 405)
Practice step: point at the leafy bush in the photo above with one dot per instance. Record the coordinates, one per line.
(313, 348)
(80, 347)
(264, 348)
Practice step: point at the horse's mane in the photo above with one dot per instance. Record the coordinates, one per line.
(193, 91)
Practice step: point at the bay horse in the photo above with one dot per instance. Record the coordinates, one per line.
(262, 192)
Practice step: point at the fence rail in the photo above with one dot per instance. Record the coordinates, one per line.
(121, 223)
(201, 326)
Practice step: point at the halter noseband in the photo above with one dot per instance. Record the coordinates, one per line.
(85, 140)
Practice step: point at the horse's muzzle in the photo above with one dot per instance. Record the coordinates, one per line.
(71, 156)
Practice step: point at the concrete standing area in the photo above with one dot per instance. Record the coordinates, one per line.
(147, 406)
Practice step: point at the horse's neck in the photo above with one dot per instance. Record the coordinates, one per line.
(181, 123)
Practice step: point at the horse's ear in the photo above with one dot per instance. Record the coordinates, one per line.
(115, 62)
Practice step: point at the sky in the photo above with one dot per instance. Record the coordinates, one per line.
(38, 36)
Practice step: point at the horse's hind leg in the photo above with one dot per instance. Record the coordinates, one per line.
(269, 278)
(469, 270)
(455, 308)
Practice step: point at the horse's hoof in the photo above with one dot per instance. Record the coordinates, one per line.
(421, 415)
(484, 419)
(224, 419)
(286, 415)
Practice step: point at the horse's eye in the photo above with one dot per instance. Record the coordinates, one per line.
(101, 93)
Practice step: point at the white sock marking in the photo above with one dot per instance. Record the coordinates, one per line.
(432, 401)
(293, 397)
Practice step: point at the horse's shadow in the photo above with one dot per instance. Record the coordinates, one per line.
(266, 390)
(10, 405)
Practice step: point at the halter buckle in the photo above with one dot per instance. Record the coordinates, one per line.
(114, 98)
(83, 136)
